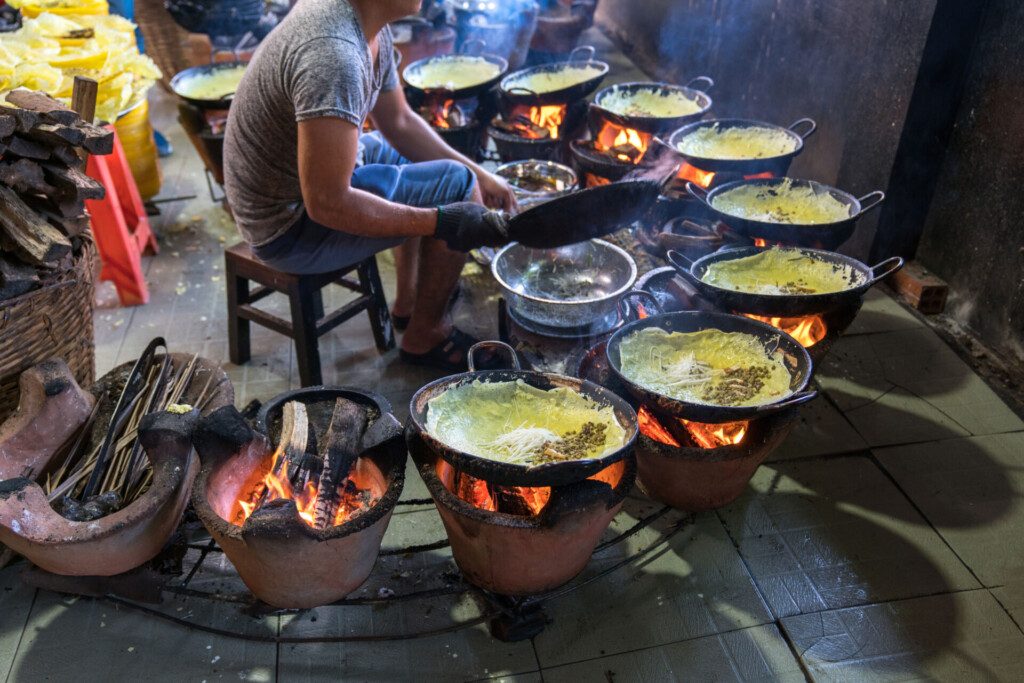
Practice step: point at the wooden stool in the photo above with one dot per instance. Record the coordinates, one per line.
(308, 321)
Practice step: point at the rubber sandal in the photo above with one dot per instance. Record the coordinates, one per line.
(440, 356)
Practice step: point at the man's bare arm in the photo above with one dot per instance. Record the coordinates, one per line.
(327, 158)
(417, 141)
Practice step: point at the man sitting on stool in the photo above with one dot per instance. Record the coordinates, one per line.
(311, 194)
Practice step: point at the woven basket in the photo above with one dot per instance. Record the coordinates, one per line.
(54, 321)
(166, 42)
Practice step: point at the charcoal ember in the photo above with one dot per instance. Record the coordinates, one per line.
(71, 509)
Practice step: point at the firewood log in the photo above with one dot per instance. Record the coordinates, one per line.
(53, 205)
(344, 436)
(54, 135)
(16, 277)
(23, 231)
(41, 103)
(97, 140)
(72, 183)
(8, 124)
(24, 176)
(27, 149)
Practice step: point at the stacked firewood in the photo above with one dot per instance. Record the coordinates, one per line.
(43, 187)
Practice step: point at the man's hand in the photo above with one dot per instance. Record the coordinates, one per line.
(465, 226)
(497, 193)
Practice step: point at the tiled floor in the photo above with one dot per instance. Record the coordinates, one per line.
(883, 541)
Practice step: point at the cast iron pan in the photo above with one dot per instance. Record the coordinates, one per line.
(782, 305)
(505, 474)
(777, 165)
(514, 94)
(458, 93)
(205, 70)
(795, 357)
(583, 215)
(653, 124)
(819, 235)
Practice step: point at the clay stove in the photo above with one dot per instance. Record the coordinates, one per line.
(302, 525)
(537, 132)
(689, 465)
(517, 541)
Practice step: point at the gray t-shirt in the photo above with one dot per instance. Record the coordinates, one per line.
(315, 64)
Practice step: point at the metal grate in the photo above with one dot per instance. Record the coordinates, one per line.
(509, 618)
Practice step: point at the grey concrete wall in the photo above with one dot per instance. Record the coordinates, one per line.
(974, 233)
(850, 65)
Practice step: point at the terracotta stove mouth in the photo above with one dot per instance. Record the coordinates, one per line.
(522, 506)
(249, 492)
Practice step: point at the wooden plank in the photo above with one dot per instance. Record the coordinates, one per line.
(83, 98)
(51, 109)
(27, 233)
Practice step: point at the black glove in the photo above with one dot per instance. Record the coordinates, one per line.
(465, 226)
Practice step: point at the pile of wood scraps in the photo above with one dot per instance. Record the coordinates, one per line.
(43, 187)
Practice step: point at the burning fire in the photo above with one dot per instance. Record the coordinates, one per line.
(480, 494)
(442, 113)
(716, 435)
(688, 173)
(537, 123)
(592, 180)
(276, 486)
(808, 331)
(624, 144)
(703, 435)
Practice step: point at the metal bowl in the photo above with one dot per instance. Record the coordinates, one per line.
(561, 178)
(569, 287)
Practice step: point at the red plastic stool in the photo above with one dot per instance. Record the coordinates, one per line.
(120, 225)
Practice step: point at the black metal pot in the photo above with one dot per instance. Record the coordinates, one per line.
(197, 72)
(777, 165)
(518, 95)
(782, 305)
(651, 124)
(797, 361)
(458, 93)
(507, 474)
(819, 235)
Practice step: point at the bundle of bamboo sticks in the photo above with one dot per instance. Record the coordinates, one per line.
(127, 473)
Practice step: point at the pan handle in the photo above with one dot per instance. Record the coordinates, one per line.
(683, 266)
(464, 50)
(692, 83)
(870, 201)
(796, 399)
(698, 193)
(642, 294)
(520, 90)
(479, 346)
(885, 269)
(811, 127)
(588, 49)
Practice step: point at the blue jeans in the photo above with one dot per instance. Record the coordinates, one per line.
(308, 248)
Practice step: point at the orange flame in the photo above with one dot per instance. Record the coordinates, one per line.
(626, 144)
(277, 486)
(716, 435)
(592, 180)
(441, 114)
(760, 242)
(652, 429)
(695, 175)
(530, 122)
(703, 435)
(808, 331)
